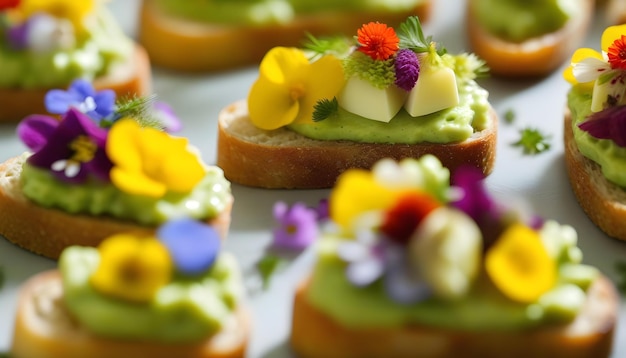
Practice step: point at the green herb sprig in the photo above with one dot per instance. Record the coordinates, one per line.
(325, 108)
(532, 141)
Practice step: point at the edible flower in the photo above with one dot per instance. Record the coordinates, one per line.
(589, 67)
(520, 265)
(149, 162)
(8, 4)
(72, 10)
(607, 124)
(407, 68)
(82, 96)
(192, 245)
(401, 220)
(72, 148)
(132, 268)
(293, 86)
(377, 40)
(297, 226)
(365, 257)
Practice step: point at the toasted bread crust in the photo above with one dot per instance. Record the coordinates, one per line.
(316, 335)
(45, 329)
(194, 47)
(284, 159)
(47, 232)
(127, 79)
(535, 57)
(604, 202)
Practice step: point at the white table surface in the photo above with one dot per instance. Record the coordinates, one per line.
(197, 99)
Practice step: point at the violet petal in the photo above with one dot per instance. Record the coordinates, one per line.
(607, 124)
(35, 130)
(193, 245)
(297, 226)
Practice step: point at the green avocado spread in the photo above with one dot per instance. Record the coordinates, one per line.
(266, 12)
(610, 156)
(96, 51)
(520, 20)
(450, 125)
(185, 310)
(209, 198)
(483, 308)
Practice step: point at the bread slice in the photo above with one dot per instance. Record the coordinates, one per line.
(534, 57)
(314, 334)
(282, 158)
(196, 47)
(603, 201)
(129, 78)
(45, 329)
(616, 11)
(47, 231)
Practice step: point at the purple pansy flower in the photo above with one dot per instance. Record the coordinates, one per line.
(297, 226)
(166, 116)
(193, 245)
(407, 68)
(73, 149)
(609, 123)
(371, 257)
(82, 96)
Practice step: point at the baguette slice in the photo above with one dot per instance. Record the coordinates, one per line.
(130, 78)
(603, 201)
(45, 329)
(534, 57)
(616, 11)
(47, 231)
(196, 47)
(314, 334)
(282, 158)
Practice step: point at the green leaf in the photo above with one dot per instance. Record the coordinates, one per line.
(267, 267)
(412, 36)
(138, 108)
(532, 141)
(325, 108)
(509, 116)
(338, 46)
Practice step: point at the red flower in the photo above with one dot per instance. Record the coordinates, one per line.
(377, 40)
(403, 218)
(617, 53)
(8, 4)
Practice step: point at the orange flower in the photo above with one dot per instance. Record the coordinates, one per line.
(617, 53)
(377, 40)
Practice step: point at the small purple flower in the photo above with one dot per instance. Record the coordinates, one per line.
(365, 257)
(82, 96)
(166, 116)
(323, 210)
(609, 123)
(17, 36)
(41, 33)
(193, 245)
(297, 226)
(72, 150)
(407, 68)
(401, 282)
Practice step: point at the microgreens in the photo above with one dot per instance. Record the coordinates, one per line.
(532, 141)
(139, 108)
(267, 267)
(509, 116)
(329, 45)
(325, 108)
(412, 37)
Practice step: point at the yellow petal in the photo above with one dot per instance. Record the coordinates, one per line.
(131, 268)
(357, 192)
(519, 264)
(136, 183)
(611, 34)
(578, 56)
(121, 146)
(280, 64)
(270, 105)
(324, 81)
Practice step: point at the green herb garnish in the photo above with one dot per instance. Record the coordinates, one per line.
(509, 116)
(532, 141)
(325, 108)
(267, 267)
(138, 108)
(318, 47)
(412, 37)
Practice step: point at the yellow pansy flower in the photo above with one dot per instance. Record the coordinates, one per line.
(289, 86)
(520, 266)
(72, 10)
(150, 162)
(132, 268)
(357, 192)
